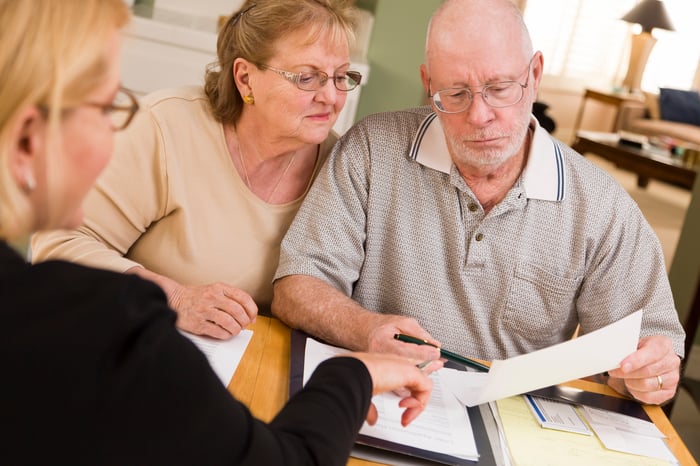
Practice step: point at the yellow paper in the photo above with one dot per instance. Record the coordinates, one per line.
(531, 445)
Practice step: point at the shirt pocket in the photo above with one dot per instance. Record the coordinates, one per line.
(540, 304)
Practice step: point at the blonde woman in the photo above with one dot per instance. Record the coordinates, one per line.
(94, 371)
(207, 180)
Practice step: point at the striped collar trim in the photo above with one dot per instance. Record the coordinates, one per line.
(543, 178)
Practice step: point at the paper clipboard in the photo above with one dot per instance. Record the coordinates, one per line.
(486, 455)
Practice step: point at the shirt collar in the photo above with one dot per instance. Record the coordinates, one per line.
(543, 177)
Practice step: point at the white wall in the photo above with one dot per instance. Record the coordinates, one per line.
(211, 8)
(158, 54)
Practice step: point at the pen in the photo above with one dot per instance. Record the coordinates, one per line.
(443, 353)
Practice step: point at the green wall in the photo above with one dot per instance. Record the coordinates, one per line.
(395, 54)
(685, 268)
(369, 5)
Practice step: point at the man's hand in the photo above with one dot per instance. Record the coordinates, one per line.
(381, 338)
(650, 374)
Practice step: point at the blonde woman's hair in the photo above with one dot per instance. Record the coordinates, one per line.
(253, 32)
(52, 53)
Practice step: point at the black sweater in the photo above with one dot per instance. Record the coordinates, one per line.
(94, 372)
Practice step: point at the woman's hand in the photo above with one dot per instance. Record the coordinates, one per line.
(401, 375)
(216, 310)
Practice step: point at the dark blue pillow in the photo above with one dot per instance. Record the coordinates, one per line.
(679, 105)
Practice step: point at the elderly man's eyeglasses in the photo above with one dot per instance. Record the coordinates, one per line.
(122, 109)
(497, 95)
(315, 80)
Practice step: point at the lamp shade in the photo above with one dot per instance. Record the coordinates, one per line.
(649, 14)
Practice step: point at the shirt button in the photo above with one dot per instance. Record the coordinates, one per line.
(473, 207)
(479, 236)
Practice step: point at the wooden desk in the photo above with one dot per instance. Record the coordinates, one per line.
(261, 382)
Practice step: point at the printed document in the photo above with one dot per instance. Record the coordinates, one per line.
(628, 434)
(443, 427)
(223, 355)
(529, 444)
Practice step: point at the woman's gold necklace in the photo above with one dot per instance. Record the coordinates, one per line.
(279, 180)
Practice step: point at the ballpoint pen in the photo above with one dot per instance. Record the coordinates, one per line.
(443, 352)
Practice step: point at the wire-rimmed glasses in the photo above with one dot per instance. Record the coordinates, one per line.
(315, 80)
(497, 95)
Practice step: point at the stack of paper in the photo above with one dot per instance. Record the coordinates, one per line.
(628, 434)
(443, 427)
(530, 444)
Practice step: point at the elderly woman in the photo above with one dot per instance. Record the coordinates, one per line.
(94, 371)
(205, 182)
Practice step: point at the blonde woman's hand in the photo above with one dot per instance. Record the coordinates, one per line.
(401, 375)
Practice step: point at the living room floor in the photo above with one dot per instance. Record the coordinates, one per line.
(664, 207)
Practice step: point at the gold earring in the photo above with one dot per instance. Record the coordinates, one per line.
(249, 99)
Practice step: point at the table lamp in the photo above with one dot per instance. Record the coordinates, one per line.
(649, 14)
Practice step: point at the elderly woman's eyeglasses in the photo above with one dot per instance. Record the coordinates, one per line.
(121, 110)
(315, 80)
(497, 95)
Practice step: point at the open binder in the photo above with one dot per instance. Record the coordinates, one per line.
(367, 443)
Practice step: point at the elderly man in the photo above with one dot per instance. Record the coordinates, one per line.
(466, 224)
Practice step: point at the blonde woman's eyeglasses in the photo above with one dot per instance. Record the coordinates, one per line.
(121, 110)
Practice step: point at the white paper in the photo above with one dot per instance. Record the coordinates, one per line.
(443, 427)
(556, 415)
(315, 353)
(622, 422)
(628, 434)
(611, 138)
(505, 451)
(223, 355)
(586, 355)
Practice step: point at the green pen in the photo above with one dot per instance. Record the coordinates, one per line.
(443, 353)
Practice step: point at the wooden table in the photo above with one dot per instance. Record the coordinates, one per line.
(261, 382)
(644, 163)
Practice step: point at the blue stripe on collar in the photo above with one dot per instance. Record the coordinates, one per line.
(418, 138)
(560, 172)
(543, 178)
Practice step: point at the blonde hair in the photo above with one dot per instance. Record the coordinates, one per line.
(253, 32)
(52, 53)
